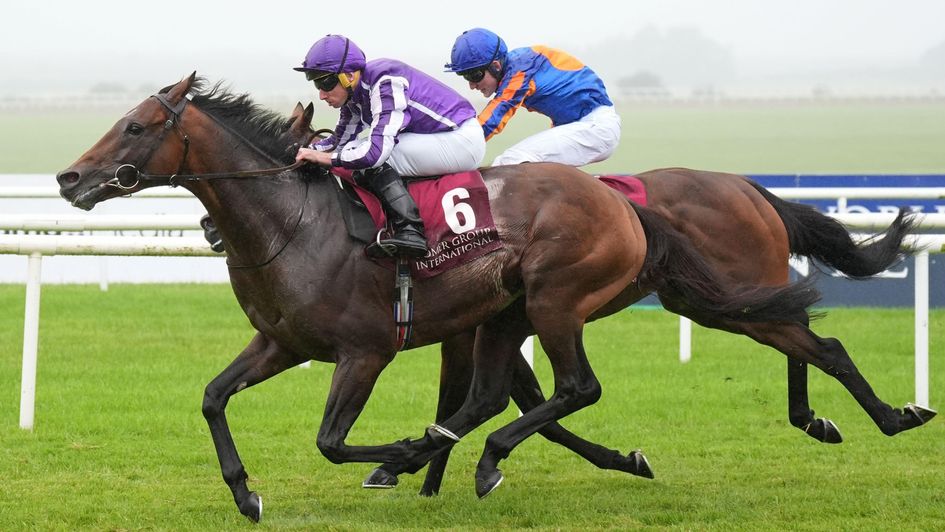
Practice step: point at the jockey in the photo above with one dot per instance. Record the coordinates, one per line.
(412, 125)
(585, 127)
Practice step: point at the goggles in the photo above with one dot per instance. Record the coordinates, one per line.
(474, 75)
(323, 81)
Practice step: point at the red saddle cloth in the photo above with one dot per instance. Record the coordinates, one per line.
(629, 186)
(456, 216)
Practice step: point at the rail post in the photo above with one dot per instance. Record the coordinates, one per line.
(30, 341)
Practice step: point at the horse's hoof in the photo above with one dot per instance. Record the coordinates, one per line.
(379, 480)
(488, 483)
(641, 466)
(920, 413)
(823, 430)
(252, 507)
(426, 492)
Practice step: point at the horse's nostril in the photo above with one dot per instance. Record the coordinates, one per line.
(67, 178)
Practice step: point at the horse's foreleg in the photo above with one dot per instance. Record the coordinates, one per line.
(261, 359)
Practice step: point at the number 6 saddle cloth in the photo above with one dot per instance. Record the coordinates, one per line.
(455, 211)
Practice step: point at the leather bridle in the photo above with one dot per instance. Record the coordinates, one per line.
(128, 176)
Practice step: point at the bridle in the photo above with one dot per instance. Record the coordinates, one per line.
(128, 176)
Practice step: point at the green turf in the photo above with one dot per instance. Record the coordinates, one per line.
(877, 138)
(120, 443)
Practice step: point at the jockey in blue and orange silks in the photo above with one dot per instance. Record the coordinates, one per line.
(409, 124)
(585, 126)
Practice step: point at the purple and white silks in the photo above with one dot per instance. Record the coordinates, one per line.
(391, 98)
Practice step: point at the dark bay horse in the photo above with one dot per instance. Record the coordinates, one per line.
(571, 248)
(747, 234)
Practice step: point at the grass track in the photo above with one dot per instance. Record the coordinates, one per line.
(848, 138)
(120, 443)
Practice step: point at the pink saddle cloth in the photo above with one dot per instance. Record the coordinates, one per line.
(629, 186)
(456, 216)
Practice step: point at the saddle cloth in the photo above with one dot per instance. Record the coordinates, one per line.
(456, 216)
(628, 185)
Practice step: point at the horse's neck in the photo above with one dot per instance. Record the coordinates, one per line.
(255, 216)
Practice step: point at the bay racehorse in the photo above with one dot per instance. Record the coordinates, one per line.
(571, 247)
(746, 233)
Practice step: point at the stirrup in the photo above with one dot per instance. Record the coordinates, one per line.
(389, 248)
(379, 249)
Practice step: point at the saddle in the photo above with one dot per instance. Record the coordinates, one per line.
(455, 212)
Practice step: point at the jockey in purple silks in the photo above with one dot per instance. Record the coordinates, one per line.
(394, 121)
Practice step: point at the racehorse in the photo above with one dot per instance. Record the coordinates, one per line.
(746, 233)
(571, 248)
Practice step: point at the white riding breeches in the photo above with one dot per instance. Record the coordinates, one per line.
(590, 139)
(429, 154)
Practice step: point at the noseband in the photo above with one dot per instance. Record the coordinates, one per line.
(128, 176)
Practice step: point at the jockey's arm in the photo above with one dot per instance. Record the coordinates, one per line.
(510, 96)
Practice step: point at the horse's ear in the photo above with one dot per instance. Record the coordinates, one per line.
(297, 112)
(308, 114)
(180, 90)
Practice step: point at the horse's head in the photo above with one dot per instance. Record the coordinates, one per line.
(147, 139)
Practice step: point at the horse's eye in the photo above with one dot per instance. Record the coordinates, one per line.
(135, 128)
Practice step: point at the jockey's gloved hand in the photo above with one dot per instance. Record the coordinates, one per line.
(211, 234)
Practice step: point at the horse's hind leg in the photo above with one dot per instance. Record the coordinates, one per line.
(828, 354)
(527, 394)
(456, 375)
(576, 387)
(261, 359)
(799, 411)
(456, 370)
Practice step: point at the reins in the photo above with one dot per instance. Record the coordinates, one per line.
(128, 176)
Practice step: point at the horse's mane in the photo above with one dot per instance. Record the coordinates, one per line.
(256, 124)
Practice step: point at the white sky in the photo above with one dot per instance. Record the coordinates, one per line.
(46, 43)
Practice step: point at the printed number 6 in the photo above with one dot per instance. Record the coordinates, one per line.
(453, 208)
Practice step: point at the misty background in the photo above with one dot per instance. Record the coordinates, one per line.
(680, 48)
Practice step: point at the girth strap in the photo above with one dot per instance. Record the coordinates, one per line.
(403, 303)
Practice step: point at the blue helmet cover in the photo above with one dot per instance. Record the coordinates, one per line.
(476, 48)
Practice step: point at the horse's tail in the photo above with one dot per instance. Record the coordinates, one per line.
(675, 268)
(820, 237)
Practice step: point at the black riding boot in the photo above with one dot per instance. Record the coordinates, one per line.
(400, 208)
(211, 234)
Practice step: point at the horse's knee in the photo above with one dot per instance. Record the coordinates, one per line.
(331, 448)
(213, 404)
(580, 394)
